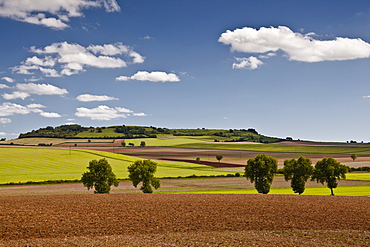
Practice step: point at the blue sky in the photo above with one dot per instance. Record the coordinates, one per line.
(285, 68)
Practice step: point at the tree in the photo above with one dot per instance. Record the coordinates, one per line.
(261, 170)
(143, 171)
(328, 171)
(100, 176)
(123, 144)
(353, 157)
(142, 144)
(219, 157)
(298, 171)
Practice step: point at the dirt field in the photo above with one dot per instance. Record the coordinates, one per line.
(184, 220)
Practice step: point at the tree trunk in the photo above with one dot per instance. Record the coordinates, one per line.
(332, 192)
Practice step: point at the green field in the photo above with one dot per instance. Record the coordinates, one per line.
(361, 190)
(168, 141)
(343, 149)
(362, 176)
(21, 164)
(34, 164)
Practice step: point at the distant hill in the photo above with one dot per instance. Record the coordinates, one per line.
(129, 132)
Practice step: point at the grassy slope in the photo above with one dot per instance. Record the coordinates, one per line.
(30, 164)
(281, 148)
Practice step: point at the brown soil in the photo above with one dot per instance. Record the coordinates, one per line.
(184, 220)
(207, 163)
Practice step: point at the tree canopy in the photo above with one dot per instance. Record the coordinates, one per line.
(328, 171)
(100, 176)
(219, 157)
(298, 171)
(143, 171)
(261, 171)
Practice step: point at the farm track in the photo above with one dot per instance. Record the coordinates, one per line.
(184, 220)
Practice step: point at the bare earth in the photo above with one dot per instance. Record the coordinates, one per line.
(184, 220)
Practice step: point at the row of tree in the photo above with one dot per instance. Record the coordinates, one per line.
(101, 177)
(262, 169)
(259, 170)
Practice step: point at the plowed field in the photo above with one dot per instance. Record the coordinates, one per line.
(184, 220)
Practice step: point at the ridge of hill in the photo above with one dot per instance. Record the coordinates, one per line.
(130, 132)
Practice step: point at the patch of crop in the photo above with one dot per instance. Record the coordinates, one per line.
(40, 164)
(280, 148)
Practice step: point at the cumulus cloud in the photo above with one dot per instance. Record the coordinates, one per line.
(16, 95)
(24, 90)
(2, 86)
(40, 89)
(50, 114)
(296, 46)
(247, 63)
(52, 14)
(156, 76)
(63, 58)
(9, 109)
(89, 97)
(5, 120)
(8, 79)
(104, 112)
(35, 106)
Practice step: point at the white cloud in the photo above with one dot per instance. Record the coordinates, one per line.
(2, 86)
(155, 76)
(101, 112)
(68, 59)
(46, 61)
(123, 110)
(270, 54)
(140, 114)
(104, 112)
(22, 91)
(35, 106)
(297, 46)
(8, 79)
(89, 97)
(40, 89)
(50, 114)
(8, 109)
(49, 72)
(33, 79)
(147, 37)
(5, 120)
(123, 78)
(247, 63)
(16, 95)
(52, 14)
